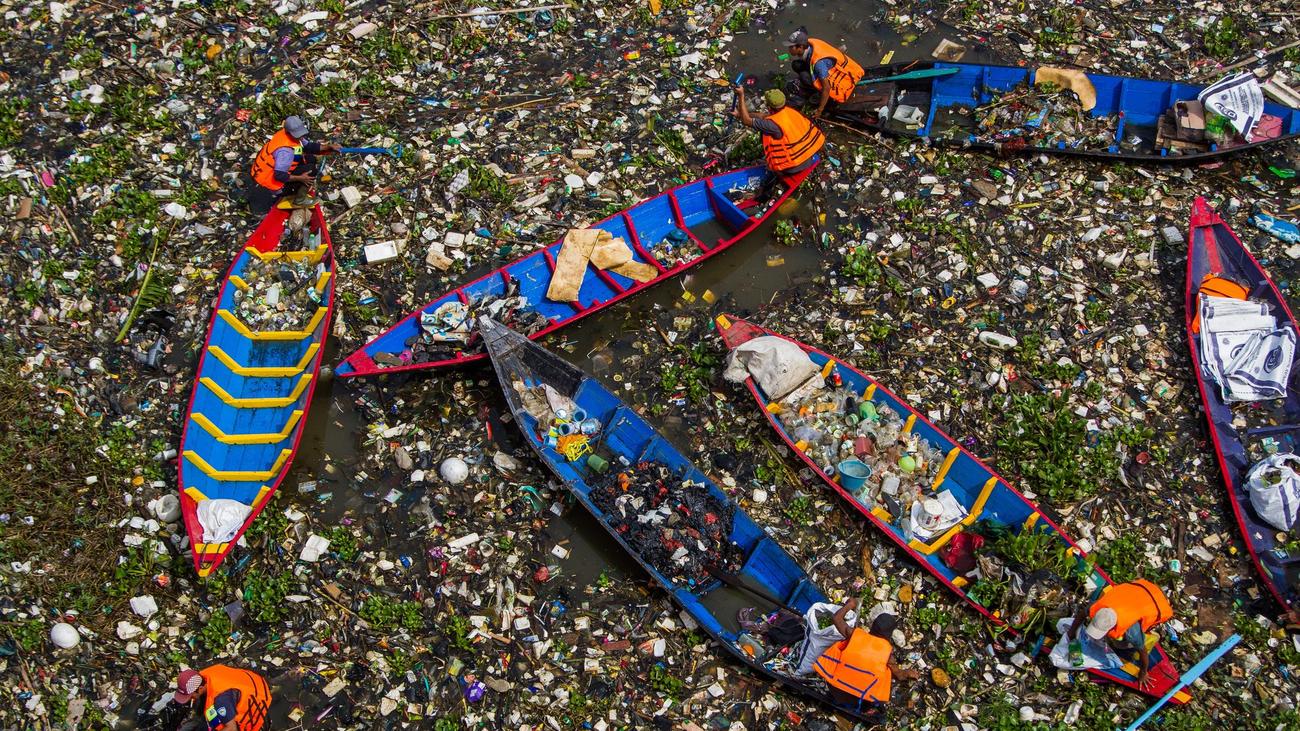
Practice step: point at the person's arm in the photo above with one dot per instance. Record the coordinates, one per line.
(825, 97)
(1078, 617)
(327, 148)
(838, 619)
(1145, 661)
(742, 111)
(900, 672)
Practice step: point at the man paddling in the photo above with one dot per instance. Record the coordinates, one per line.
(285, 168)
(860, 669)
(1123, 615)
(790, 141)
(822, 71)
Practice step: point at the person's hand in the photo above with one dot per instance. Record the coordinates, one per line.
(330, 147)
(1143, 678)
(817, 113)
(909, 674)
(852, 603)
(304, 178)
(740, 90)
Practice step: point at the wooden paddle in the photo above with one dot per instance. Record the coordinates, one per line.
(918, 74)
(735, 582)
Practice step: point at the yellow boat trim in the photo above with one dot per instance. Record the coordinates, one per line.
(207, 549)
(242, 329)
(265, 438)
(1031, 520)
(870, 392)
(239, 282)
(936, 544)
(911, 421)
(195, 494)
(239, 475)
(960, 581)
(723, 322)
(774, 407)
(269, 402)
(324, 277)
(265, 371)
(310, 257)
(983, 498)
(881, 513)
(947, 465)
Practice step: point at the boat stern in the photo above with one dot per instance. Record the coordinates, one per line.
(736, 332)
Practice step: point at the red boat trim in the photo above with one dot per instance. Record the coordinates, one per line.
(636, 243)
(681, 222)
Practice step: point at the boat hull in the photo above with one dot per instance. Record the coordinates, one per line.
(643, 227)
(251, 395)
(1213, 248)
(982, 491)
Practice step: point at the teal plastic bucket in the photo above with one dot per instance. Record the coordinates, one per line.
(853, 474)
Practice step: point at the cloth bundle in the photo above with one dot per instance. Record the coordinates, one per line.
(1243, 349)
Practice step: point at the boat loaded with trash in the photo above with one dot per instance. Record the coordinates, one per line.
(255, 379)
(1060, 111)
(961, 521)
(1242, 337)
(671, 518)
(624, 254)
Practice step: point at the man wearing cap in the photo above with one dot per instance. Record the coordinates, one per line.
(1124, 614)
(233, 699)
(822, 70)
(285, 167)
(860, 669)
(790, 141)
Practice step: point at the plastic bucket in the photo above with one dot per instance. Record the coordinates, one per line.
(853, 474)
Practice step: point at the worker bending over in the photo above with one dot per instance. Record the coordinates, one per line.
(822, 71)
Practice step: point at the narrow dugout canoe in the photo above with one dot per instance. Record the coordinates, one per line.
(703, 204)
(980, 491)
(522, 364)
(1213, 248)
(1123, 125)
(252, 391)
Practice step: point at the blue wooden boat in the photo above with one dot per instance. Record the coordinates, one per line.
(1214, 249)
(719, 202)
(1128, 111)
(521, 364)
(981, 491)
(249, 403)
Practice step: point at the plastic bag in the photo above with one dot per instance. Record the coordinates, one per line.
(817, 639)
(1274, 489)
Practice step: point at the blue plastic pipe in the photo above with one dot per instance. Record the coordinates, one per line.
(394, 151)
(1188, 678)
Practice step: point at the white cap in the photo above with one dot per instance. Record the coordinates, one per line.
(1102, 622)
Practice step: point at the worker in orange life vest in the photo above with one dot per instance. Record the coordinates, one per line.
(860, 670)
(234, 699)
(790, 141)
(823, 71)
(1123, 615)
(285, 167)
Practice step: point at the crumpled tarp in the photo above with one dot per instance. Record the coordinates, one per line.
(778, 366)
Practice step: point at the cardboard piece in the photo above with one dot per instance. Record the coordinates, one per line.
(1072, 79)
(571, 264)
(636, 271)
(610, 252)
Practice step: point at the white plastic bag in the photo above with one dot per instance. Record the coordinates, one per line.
(221, 519)
(1274, 489)
(780, 367)
(816, 640)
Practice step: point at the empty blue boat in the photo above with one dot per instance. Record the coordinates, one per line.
(723, 201)
(523, 365)
(1125, 124)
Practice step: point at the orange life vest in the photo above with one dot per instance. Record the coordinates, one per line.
(843, 77)
(800, 140)
(1136, 601)
(1217, 286)
(858, 666)
(264, 163)
(254, 695)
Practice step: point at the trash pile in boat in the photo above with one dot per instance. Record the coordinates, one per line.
(449, 328)
(281, 293)
(1041, 116)
(676, 525)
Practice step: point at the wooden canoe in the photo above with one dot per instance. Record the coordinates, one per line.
(643, 227)
(1213, 248)
(249, 403)
(980, 490)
